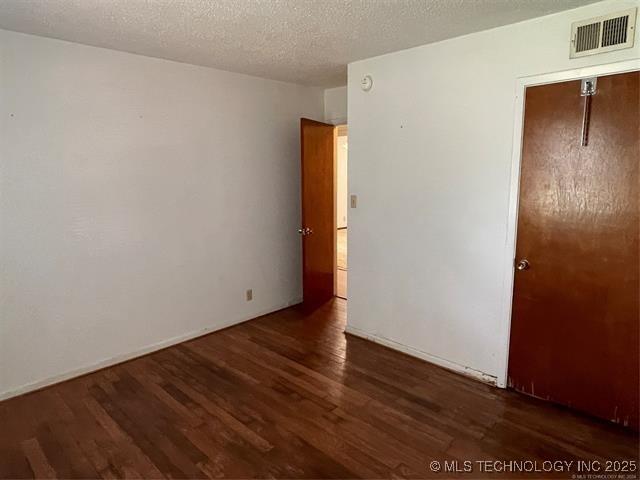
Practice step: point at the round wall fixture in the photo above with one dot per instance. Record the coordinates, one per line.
(366, 83)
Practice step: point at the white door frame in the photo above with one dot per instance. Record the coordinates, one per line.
(514, 193)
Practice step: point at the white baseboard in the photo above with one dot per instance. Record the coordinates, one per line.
(414, 352)
(108, 362)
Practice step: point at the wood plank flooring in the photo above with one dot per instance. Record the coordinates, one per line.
(287, 395)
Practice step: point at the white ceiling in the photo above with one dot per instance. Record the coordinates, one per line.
(303, 41)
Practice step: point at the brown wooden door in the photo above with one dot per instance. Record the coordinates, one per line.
(318, 210)
(574, 328)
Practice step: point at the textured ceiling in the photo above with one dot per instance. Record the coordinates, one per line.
(303, 41)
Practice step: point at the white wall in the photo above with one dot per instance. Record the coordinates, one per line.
(139, 199)
(342, 191)
(335, 105)
(430, 159)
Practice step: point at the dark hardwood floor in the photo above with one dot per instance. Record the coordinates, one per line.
(287, 395)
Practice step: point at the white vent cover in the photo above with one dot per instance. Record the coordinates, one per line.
(603, 34)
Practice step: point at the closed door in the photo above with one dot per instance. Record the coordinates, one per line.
(318, 228)
(574, 330)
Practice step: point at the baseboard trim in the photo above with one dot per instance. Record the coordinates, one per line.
(125, 357)
(414, 352)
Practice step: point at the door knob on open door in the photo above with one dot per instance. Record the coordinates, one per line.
(305, 231)
(523, 264)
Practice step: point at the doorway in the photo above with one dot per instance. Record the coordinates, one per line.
(324, 210)
(575, 311)
(342, 208)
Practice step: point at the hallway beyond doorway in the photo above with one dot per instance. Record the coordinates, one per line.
(342, 206)
(341, 283)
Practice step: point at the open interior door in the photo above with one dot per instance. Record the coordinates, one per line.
(318, 229)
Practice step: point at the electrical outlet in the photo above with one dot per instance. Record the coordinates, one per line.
(249, 295)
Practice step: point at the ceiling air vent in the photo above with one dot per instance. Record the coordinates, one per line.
(603, 34)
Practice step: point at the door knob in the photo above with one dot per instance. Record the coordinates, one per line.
(305, 231)
(523, 264)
